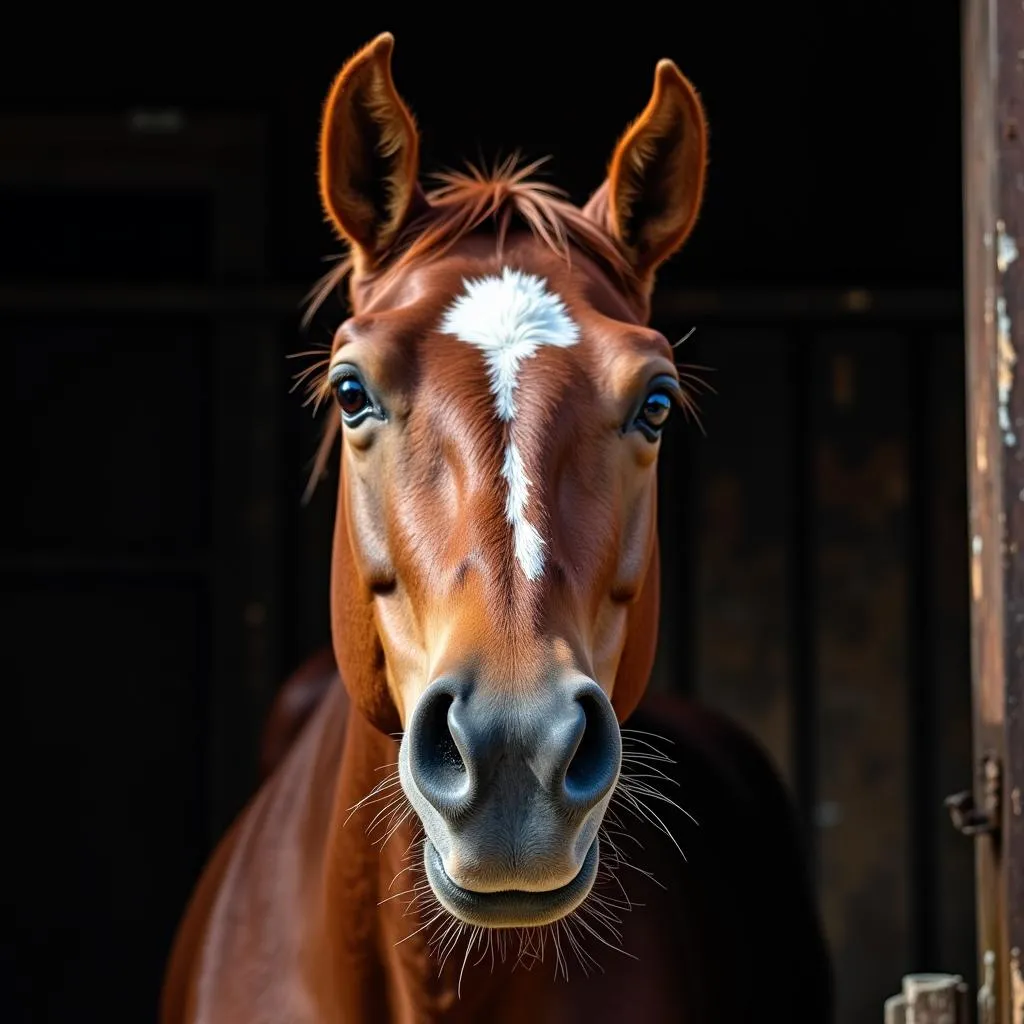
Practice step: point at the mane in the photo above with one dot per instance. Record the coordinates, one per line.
(463, 203)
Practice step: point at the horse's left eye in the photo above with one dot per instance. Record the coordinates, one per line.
(654, 413)
(656, 409)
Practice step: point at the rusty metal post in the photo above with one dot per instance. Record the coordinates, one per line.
(993, 163)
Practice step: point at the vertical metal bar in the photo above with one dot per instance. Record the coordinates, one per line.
(993, 160)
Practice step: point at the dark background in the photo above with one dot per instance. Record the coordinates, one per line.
(159, 225)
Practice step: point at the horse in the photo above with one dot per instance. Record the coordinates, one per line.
(471, 810)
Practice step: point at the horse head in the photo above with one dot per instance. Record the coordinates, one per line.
(500, 400)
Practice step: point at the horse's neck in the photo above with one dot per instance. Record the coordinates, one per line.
(378, 969)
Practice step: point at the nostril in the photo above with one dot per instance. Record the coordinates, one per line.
(435, 759)
(594, 764)
(448, 755)
(587, 760)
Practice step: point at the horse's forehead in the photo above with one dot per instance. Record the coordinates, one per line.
(512, 318)
(512, 341)
(509, 316)
(506, 313)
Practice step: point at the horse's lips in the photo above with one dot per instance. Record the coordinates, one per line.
(511, 908)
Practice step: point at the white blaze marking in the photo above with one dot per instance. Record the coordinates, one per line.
(509, 318)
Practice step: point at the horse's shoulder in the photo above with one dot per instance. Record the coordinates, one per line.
(293, 706)
(178, 994)
(247, 894)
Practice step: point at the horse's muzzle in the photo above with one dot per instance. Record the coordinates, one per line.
(511, 790)
(510, 908)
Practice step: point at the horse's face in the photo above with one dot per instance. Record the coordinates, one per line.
(494, 578)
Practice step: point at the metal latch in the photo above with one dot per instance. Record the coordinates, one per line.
(969, 819)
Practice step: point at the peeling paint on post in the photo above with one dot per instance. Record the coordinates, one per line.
(1006, 254)
(1006, 250)
(1007, 362)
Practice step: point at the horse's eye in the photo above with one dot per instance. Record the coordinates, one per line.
(654, 413)
(656, 409)
(353, 399)
(352, 396)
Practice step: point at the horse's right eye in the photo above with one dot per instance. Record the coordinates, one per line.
(355, 402)
(351, 396)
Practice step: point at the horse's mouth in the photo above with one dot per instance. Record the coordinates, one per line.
(509, 908)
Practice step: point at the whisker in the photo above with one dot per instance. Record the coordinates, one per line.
(389, 808)
(309, 352)
(394, 896)
(402, 871)
(630, 731)
(559, 959)
(650, 773)
(647, 814)
(651, 755)
(397, 825)
(647, 755)
(469, 945)
(686, 337)
(452, 943)
(582, 956)
(592, 931)
(388, 783)
(695, 381)
(647, 790)
(438, 914)
(625, 834)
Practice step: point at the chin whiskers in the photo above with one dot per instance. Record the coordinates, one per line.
(450, 941)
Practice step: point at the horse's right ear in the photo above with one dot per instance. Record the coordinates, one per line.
(369, 155)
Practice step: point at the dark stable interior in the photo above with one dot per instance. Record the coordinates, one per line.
(161, 576)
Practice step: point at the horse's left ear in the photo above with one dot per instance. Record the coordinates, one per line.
(369, 155)
(655, 183)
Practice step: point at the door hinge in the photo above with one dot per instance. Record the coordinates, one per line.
(969, 819)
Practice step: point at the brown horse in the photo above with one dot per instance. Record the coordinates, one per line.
(516, 855)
